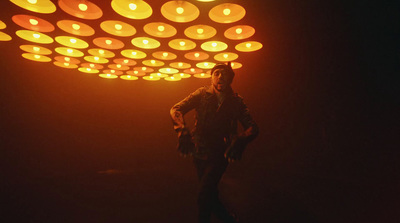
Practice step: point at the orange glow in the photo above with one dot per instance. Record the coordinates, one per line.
(239, 30)
(161, 28)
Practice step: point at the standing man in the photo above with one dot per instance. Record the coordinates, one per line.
(214, 141)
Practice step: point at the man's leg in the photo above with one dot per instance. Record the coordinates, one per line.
(210, 173)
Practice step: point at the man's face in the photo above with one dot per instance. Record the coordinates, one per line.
(220, 79)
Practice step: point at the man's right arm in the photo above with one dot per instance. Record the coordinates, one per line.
(181, 108)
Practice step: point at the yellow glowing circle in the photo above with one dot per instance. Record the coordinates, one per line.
(172, 78)
(160, 29)
(182, 44)
(65, 65)
(83, 7)
(197, 54)
(95, 59)
(33, 22)
(181, 75)
(44, 6)
(227, 13)
(205, 65)
(118, 28)
(180, 65)
(180, 11)
(236, 65)
(71, 42)
(225, 57)
(108, 42)
(153, 63)
(163, 55)
(202, 75)
(167, 70)
(239, 30)
(138, 10)
(214, 46)
(88, 70)
(69, 52)
(35, 49)
(118, 67)
(248, 46)
(151, 78)
(2, 25)
(75, 27)
(108, 76)
(133, 54)
(101, 53)
(36, 57)
(34, 36)
(159, 75)
(129, 77)
(145, 43)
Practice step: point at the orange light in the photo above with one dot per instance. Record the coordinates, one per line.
(165, 54)
(132, 6)
(179, 10)
(182, 43)
(70, 50)
(200, 31)
(67, 59)
(32, 1)
(33, 22)
(72, 40)
(66, 64)
(91, 65)
(239, 30)
(225, 55)
(37, 36)
(96, 58)
(144, 68)
(197, 54)
(37, 56)
(37, 49)
(214, 44)
(227, 11)
(101, 51)
(76, 26)
(109, 42)
(161, 28)
(145, 41)
(83, 7)
(153, 61)
(180, 64)
(88, 69)
(118, 26)
(134, 53)
(119, 65)
(248, 45)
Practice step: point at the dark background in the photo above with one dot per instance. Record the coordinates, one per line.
(323, 89)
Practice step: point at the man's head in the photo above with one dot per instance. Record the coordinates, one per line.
(222, 76)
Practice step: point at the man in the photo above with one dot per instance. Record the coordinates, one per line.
(214, 141)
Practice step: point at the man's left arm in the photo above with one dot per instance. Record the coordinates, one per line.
(239, 143)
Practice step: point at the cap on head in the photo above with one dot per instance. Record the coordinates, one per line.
(227, 67)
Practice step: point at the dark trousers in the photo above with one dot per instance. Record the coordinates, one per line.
(210, 173)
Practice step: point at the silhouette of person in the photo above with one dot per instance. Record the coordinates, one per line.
(214, 141)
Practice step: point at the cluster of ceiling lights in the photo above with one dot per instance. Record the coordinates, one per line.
(111, 57)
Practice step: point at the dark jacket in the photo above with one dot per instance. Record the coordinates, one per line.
(215, 126)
